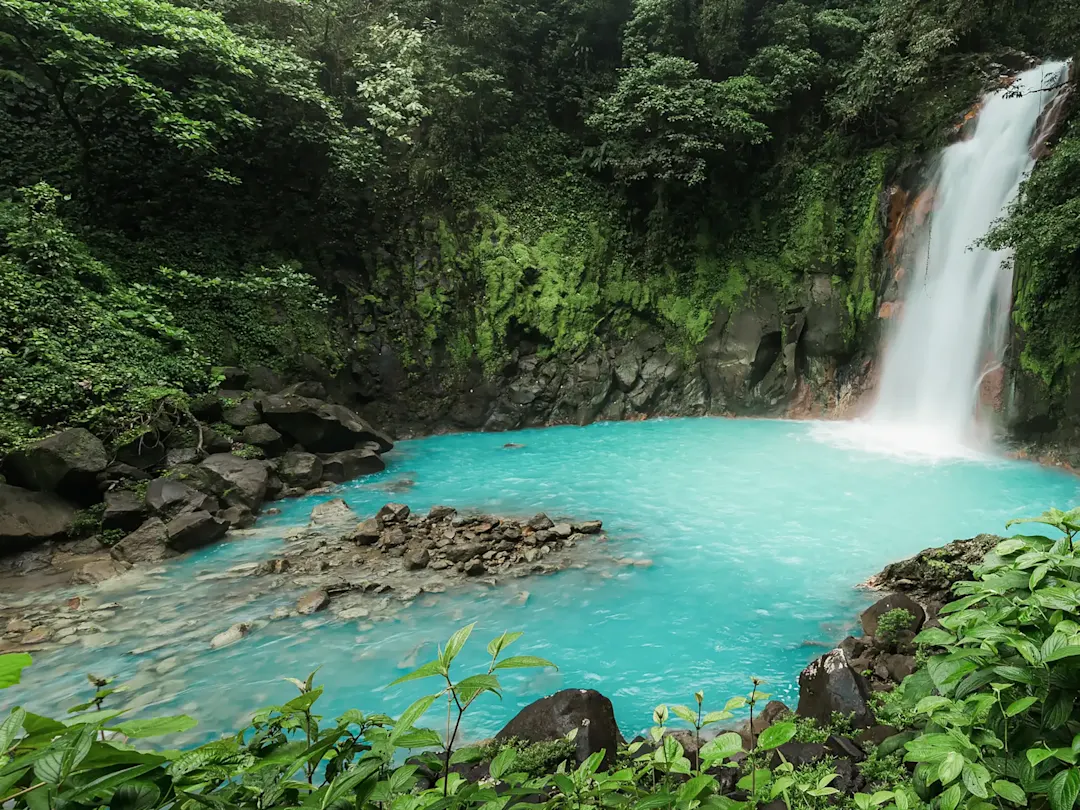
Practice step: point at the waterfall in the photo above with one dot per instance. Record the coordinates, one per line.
(953, 323)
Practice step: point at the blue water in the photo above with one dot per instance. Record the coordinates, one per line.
(758, 536)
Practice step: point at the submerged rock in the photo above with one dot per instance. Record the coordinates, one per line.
(230, 636)
(349, 464)
(332, 512)
(313, 602)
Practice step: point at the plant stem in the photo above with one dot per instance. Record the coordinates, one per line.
(22, 792)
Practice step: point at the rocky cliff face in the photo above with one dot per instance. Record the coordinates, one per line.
(772, 356)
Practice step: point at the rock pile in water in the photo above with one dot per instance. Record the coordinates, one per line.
(182, 484)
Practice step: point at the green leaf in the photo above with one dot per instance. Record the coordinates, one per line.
(935, 636)
(10, 728)
(950, 767)
(524, 661)
(1063, 789)
(1037, 755)
(103, 786)
(975, 778)
(684, 713)
(418, 738)
(348, 781)
(426, 671)
(135, 796)
(695, 788)
(156, 727)
(467, 755)
(1009, 792)
(410, 716)
(1010, 546)
(734, 703)
(950, 798)
(470, 688)
(64, 755)
(455, 644)
(776, 735)
(931, 704)
(722, 746)
(1018, 706)
(716, 717)
(11, 667)
(497, 645)
(503, 762)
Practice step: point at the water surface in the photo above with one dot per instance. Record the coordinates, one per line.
(758, 534)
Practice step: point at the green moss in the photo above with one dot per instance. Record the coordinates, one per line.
(249, 451)
(87, 521)
(533, 759)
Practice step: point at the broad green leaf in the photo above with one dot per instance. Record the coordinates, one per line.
(455, 644)
(11, 667)
(156, 727)
(716, 717)
(1021, 705)
(950, 768)
(470, 688)
(103, 786)
(502, 763)
(135, 796)
(935, 636)
(10, 728)
(776, 735)
(1009, 791)
(950, 798)
(975, 778)
(411, 715)
(419, 738)
(523, 662)
(684, 713)
(695, 788)
(1063, 789)
(348, 781)
(497, 645)
(734, 703)
(467, 755)
(1010, 546)
(722, 746)
(931, 704)
(1037, 755)
(426, 671)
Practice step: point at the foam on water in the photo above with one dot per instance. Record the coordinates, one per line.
(758, 535)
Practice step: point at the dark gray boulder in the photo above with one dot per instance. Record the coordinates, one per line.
(124, 510)
(309, 389)
(265, 379)
(146, 544)
(28, 518)
(262, 436)
(319, 426)
(66, 463)
(828, 685)
(192, 530)
(350, 464)
(300, 470)
(799, 754)
(238, 517)
(894, 601)
(243, 481)
(552, 718)
(243, 414)
(168, 497)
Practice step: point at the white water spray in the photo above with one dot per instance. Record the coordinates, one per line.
(953, 323)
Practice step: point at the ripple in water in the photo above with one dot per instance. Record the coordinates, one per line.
(758, 533)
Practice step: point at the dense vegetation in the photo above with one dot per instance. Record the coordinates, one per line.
(188, 180)
(989, 721)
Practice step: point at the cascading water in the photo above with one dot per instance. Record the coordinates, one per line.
(953, 322)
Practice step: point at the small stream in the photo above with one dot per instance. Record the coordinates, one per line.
(752, 537)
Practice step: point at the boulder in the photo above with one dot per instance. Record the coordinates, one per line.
(309, 389)
(392, 513)
(263, 378)
(313, 602)
(350, 464)
(830, 686)
(894, 601)
(214, 442)
(300, 470)
(28, 518)
(552, 718)
(367, 533)
(192, 530)
(589, 527)
(330, 512)
(319, 426)
(238, 517)
(441, 512)
(416, 558)
(66, 463)
(843, 747)
(899, 666)
(801, 755)
(540, 522)
(169, 497)
(182, 455)
(243, 414)
(244, 480)
(124, 510)
(262, 436)
(146, 544)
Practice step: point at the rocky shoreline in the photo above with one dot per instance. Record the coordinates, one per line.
(839, 684)
(358, 569)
